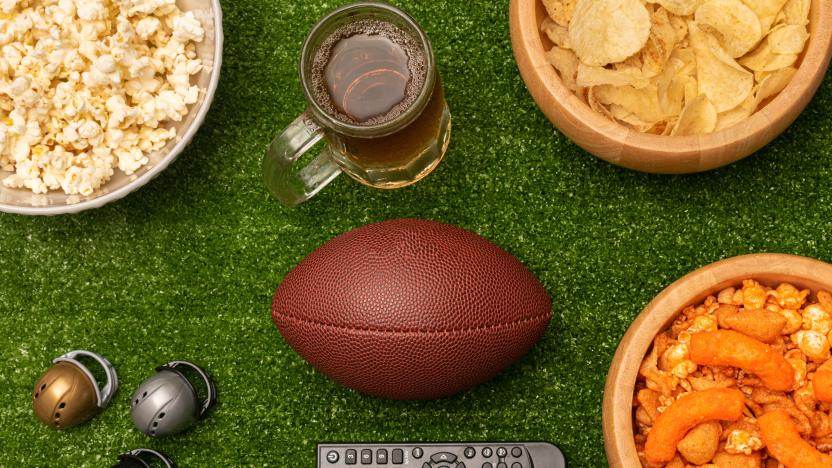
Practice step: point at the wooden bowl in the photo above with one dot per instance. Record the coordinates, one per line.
(619, 145)
(769, 269)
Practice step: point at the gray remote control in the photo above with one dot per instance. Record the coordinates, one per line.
(442, 455)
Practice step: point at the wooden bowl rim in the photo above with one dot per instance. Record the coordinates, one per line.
(567, 109)
(660, 312)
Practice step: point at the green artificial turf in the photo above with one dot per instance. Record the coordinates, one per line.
(185, 268)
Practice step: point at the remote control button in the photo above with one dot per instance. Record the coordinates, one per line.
(502, 465)
(351, 457)
(398, 456)
(381, 456)
(417, 452)
(366, 457)
(461, 465)
(516, 465)
(487, 465)
(516, 452)
(332, 456)
(487, 452)
(426, 465)
(443, 457)
(502, 452)
(470, 452)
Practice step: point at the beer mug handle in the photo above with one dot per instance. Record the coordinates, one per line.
(293, 187)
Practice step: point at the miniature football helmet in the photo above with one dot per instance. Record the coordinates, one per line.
(68, 394)
(143, 458)
(167, 403)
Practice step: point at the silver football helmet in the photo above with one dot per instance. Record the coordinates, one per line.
(167, 402)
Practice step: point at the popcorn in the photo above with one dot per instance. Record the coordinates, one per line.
(740, 441)
(146, 27)
(88, 86)
(186, 28)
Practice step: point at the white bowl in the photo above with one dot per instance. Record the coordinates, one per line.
(23, 201)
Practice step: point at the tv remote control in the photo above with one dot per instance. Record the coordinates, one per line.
(441, 455)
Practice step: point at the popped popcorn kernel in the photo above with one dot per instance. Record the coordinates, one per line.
(740, 441)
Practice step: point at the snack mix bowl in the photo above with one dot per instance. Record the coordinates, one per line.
(768, 269)
(24, 201)
(622, 146)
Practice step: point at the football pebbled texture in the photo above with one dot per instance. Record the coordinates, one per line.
(411, 309)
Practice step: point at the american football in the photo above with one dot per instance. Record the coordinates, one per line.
(411, 309)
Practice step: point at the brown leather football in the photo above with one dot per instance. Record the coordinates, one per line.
(411, 309)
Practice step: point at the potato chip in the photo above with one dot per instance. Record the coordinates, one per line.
(678, 7)
(596, 76)
(560, 10)
(773, 84)
(763, 58)
(633, 121)
(608, 31)
(660, 44)
(559, 35)
(642, 103)
(788, 39)
(766, 11)
(597, 106)
(797, 11)
(736, 115)
(681, 26)
(737, 27)
(566, 63)
(698, 117)
(671, 92)
(720, 78)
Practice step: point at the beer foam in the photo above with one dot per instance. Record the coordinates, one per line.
(417, 65)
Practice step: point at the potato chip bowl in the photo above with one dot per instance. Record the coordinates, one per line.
(628, 148)
(768, 269)
(23, 201)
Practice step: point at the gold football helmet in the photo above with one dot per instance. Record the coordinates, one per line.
(68, 394)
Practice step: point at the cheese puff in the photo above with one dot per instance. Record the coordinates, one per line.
(701, 443)
(822, 382)
(687, 412)
(761, 324)
(730, 348)
(737, 460)
(785, 444)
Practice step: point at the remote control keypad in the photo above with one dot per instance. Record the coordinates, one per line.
(470, 455)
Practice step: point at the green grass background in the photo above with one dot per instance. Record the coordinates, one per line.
(185, 268)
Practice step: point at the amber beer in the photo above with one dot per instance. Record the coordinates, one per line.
(374, 93)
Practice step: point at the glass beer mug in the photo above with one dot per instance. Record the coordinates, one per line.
(375, 96)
